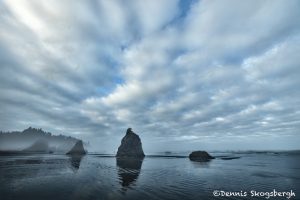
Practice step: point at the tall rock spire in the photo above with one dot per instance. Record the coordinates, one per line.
(131, 146)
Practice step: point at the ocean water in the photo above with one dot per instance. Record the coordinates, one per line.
(56, 177)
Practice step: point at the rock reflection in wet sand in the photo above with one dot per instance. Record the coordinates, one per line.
(75, 161)
(128, 170)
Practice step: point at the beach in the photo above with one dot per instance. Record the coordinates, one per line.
(102, 176)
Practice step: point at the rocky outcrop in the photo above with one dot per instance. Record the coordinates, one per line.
(131, 146)
(200, 156)
(77, 149)
(27, 138)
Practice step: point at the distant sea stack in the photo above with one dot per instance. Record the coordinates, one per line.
(77, 149)
(200, 156)
(131, 146)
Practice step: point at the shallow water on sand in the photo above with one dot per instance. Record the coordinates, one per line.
(104, 177)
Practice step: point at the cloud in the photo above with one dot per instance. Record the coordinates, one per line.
(182, 74)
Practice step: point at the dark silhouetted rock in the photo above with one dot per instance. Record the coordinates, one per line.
(39, 146)
(131, 146)
(200, 156)
(77, 149)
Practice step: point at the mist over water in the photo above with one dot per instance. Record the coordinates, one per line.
(35, 140)
(43, 176)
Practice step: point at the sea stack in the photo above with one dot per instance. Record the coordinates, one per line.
(77, 149)
(131, 146)
(200, 156)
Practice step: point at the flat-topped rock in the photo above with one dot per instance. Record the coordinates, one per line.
(200, 156)
(131, 146)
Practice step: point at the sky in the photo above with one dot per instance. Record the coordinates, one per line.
(184, 75)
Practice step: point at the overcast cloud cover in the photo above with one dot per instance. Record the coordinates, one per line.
(185, 75)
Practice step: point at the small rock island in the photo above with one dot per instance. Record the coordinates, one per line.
(131, 146)
(200, 156)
